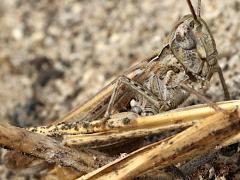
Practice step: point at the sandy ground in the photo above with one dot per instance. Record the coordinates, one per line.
(56, 54)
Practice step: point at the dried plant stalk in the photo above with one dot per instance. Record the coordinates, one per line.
(115, 129)
(97, 140)
(63, 173)
(24, 164)
(128, 121)
(184, 115)
(196, 140)
(45, 148)
(232, 140)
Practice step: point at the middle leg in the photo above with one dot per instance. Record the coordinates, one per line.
(137, 88)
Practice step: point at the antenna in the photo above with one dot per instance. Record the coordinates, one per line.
(199, 8)
(193, 11)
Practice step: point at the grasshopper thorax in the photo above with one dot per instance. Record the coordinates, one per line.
(192, 44)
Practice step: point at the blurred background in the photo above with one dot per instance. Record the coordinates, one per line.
(55, 54)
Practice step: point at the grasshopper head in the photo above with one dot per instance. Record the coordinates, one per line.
(193, 45)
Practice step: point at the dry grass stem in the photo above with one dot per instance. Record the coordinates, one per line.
(206, 129)
(115, 129)
(196, 140)
(128, 121)
(45, 148)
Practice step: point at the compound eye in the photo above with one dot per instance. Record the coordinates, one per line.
(191, 24)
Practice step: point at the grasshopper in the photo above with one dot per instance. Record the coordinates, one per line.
(160, 83)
